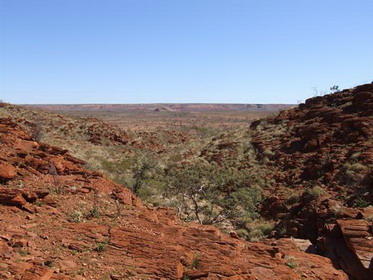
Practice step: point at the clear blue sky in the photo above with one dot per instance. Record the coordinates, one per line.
(143, 51)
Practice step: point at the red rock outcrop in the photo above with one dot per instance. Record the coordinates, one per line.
(349, 245)
(60, 221)
(320, 156)
(7, 171)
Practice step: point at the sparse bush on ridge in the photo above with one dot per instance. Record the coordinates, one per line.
(334, 89)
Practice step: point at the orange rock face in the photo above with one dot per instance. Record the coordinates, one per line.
(60, 221)
(7, 171)
(351, 241)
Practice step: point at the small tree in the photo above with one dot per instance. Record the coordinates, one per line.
(142, 170)
(211, 194)
(334, 89)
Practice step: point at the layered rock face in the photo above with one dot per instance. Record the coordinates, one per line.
(320, 156)
(349, 245)
(60, 221)
(317, 141)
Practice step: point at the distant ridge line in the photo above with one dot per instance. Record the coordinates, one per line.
(176, 107)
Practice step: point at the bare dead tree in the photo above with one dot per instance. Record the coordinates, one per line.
(37, 131)
(53, 171)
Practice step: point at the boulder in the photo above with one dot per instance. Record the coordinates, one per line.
(7, 171)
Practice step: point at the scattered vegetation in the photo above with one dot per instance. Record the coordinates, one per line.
(38, 203)
(315, 192)
(290, 262)
(360, 202)
(293, 199)
(256, 230)
(210, 194)
(23, 253)
(176, 165)
(202, 164)
(49, 263)
(101, 247)
(94, 212)
(353, 170)
(195, 262)
(282, 231)
(57, 189)
(17, 185)
(76, 217)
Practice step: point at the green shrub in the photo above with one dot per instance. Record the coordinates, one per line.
(23, 253)
(144, 169)
(94, 212)
(76, 217)
(315, 192)
(49, 263)
(291, 262)
(268, 153)
(212, 194)
(353, 171)
(195, 262)
(355, 167)
(255, 235)
(243, 233)
(265, 227)
(101, 247)
(259, 230)
(361, 203)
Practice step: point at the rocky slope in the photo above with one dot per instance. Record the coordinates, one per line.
(42, 124)
(90, 133)
(327, 140)
(320, 157)
(60, 221)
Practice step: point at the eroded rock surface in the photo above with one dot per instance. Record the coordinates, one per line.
(320, 158)
(60, 221)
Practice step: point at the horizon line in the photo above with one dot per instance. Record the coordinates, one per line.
(150, 103)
